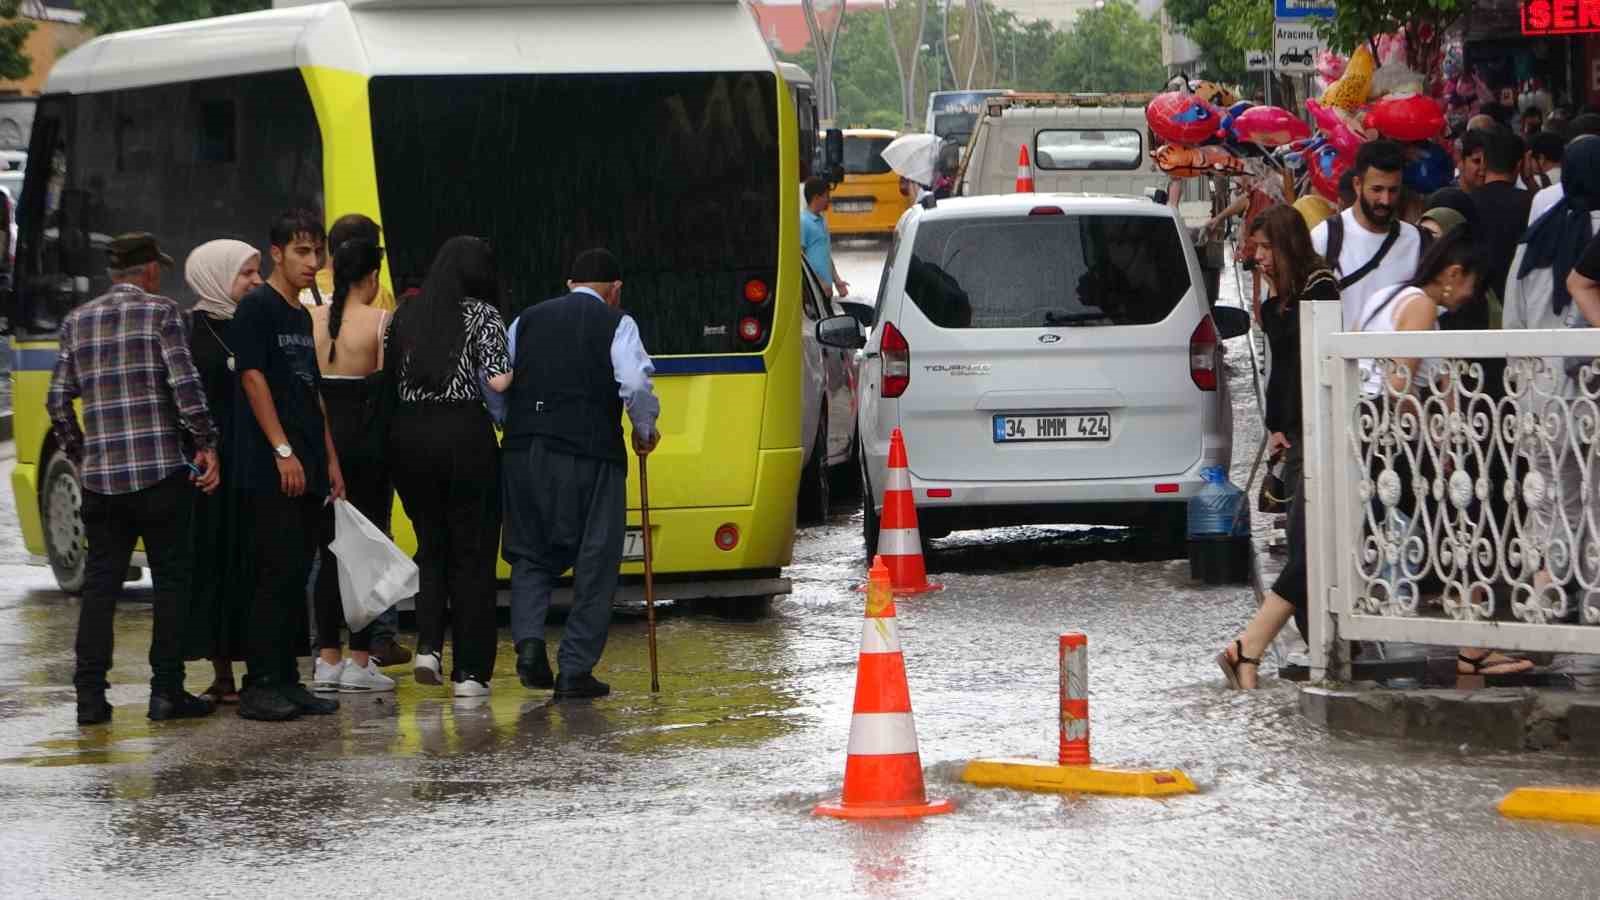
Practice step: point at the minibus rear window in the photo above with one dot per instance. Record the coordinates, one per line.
(675, 173)
(1047, 271)
(864, 155)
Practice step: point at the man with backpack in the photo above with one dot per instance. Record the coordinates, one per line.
(1367, 245)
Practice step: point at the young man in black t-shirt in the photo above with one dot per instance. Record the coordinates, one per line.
(288, 466)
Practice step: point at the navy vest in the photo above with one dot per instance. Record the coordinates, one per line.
(564, 390)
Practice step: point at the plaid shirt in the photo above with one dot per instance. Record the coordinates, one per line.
(127, 355)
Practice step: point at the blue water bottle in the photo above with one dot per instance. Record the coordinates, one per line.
(1219, 530)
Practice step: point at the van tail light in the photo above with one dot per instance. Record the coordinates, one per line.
(896, 361)
(1203, 355)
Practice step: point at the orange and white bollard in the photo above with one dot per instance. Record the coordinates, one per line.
(1024, 172)
(1074, 771)
(1074, 655)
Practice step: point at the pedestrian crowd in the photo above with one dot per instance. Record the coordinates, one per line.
(1514, 245)
(222, 436)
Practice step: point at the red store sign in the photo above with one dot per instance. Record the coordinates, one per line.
(1549, 17)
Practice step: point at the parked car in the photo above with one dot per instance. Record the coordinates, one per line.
(828, 415)
(1049, 359)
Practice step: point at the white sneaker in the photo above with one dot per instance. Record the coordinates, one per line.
(426, 668)
(358, 680)
(471, 687)
(325, 677)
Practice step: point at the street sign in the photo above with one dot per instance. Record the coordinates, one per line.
(1257, 61)
(1295, 46)
(1303, 9)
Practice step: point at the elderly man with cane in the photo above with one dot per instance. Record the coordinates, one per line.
(577, 363)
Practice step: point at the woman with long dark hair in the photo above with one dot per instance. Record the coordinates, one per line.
(447, 345)
(1295, 274)
(349, 332)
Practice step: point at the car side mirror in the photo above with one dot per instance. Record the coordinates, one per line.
(833, 155)
(843, 332)
(1231, 322)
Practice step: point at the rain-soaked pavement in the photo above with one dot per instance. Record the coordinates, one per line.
(706, 789)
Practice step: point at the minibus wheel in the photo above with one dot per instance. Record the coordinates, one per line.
(61, 510)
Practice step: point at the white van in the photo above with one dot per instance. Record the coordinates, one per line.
(1049, 359)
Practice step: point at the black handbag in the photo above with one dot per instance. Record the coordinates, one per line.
(1275, 495)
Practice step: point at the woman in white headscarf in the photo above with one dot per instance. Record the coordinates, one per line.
(219, 273)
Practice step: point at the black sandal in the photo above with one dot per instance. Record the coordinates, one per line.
(1230, 667)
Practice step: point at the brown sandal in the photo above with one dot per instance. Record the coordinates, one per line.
(1230, 667)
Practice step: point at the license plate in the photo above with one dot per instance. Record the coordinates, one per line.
(633, 545)
(853, 206)
(1094, 426)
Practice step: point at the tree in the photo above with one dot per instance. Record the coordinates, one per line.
(1112, 48)
(120, 15)
(1224, 30)
(905, 60)
(823, 42)
(14, 30)
(1361, 21)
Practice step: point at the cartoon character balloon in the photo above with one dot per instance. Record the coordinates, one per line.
(1180, 117)
(1350, 91)
(1430, 168)
(1270, 126)
(1327, 165)
(1407, 117)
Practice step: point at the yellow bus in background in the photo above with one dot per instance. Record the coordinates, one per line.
(869, 201)
(663, 130)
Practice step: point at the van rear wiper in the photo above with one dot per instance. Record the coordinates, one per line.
(1051, 318)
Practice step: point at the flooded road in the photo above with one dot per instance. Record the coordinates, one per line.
(707, 788)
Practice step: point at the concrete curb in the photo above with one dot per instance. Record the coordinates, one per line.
(1505, 719)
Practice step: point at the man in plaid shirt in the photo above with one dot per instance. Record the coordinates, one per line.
(126, 355)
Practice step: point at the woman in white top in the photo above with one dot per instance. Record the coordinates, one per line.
(1446, 280)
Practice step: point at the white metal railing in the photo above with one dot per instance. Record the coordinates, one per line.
(1443, 515)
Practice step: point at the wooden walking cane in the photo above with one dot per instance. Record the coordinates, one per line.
(649, 569)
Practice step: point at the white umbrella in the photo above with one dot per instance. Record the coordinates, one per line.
(914, 156)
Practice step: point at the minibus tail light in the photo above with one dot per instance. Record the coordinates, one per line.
(896, 352)
(756, 291)
(750, 329)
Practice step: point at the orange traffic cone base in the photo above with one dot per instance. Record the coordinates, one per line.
(838, 810)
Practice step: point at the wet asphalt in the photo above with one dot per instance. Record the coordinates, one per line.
(705, 790)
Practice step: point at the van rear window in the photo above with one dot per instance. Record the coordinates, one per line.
(1047, 271)
(1088, 149)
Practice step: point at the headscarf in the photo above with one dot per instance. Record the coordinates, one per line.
(1451, 207)
(1449, 219)
(210, 271)
(1557, 240)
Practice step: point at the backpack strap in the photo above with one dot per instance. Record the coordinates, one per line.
(1371, 264)
(1335, 242)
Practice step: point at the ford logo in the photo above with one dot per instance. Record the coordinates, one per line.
(1049, 338)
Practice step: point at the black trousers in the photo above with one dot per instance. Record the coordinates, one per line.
(1291, 582)
(446, 468)
(367, 487)
(288, 531)
(112, 524)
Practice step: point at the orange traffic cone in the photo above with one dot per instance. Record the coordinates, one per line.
(899, 541)
(883, 772)
(1024, 172)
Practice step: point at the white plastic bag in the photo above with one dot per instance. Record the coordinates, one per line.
(373, 573)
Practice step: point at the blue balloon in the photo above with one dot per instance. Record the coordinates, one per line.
(1430, 170)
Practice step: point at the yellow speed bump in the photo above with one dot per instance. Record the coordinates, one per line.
(1555, 804)
(1038, 775)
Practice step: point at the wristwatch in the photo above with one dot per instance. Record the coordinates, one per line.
(284, 451)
